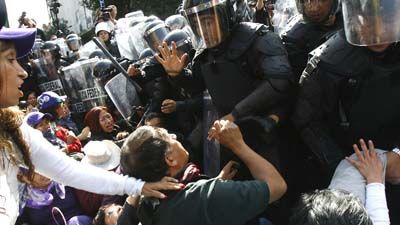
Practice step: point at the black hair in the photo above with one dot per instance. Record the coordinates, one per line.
(52, 111)
(146, 161)
(153, 115)
(329, 207)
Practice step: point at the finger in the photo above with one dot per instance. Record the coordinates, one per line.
(173, 44)
(363, 145)
(169, 179)
(162, 51)
(371, 145)
(166, 49)
(357, 151)
(156, 194)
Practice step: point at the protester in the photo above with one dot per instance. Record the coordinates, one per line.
(150, 153)
(102, 125)
(22, 145)
(329, 207)
(49, 202)
(364, 174)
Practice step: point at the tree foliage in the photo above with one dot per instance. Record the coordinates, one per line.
(63, 26)
(160, 8)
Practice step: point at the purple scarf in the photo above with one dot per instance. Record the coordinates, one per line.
(38, 198)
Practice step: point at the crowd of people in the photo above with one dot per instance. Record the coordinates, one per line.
(216, 115)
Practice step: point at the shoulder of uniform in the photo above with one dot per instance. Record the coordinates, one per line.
(338, 56)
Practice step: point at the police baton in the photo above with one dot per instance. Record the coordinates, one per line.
(116, 64)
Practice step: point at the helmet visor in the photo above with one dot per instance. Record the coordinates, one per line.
(74, 44)
(155, 36)
(371, 22)
(209, 22)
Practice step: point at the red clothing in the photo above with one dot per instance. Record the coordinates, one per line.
(62, 134)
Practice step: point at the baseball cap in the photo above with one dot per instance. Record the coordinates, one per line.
(23, 39)
(49, 99)
(34, 118)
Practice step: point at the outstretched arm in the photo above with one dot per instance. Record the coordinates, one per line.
(228, 134)
(51, 163)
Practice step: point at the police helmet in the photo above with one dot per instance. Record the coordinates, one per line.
(213, 20)
(176, 22)
(97, 53)
(104, 70)
(181, 39)
(146, 53)
(53, 48)
(155, 33)
(73, 42)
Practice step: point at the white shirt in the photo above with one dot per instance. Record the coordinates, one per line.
(348, 178)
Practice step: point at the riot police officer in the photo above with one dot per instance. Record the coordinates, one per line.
(74, 44)
(349, 89)
(243, 65)
(318, 20)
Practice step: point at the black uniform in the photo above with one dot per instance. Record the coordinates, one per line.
(302, 37)
(248, 74)
(347, 93)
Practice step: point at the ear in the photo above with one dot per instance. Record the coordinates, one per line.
(170, 160)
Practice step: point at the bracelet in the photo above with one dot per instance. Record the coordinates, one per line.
(397, 151)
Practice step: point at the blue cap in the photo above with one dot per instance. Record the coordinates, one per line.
(23, 39)
(49, 99)
(34, 118)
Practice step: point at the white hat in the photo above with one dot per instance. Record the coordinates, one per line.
(103, 154)
(102, 26)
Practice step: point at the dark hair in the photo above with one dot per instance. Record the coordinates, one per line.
(100, 217)
(52, 111)
(146, 161)
(153, 115)
(92, 119)
(329, 207)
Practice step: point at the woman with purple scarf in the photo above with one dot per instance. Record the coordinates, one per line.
(50, 203)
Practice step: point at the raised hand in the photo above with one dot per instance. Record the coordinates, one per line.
(368, 162)
(172, 63)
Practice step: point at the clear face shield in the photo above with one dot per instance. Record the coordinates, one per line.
(74, 44)
(371, 22)
(209, 22)
(155, 36)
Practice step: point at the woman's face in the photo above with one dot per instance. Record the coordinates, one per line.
(32, 99)
(104, 35)
(11, 77)
(106, 121)
(112, 214)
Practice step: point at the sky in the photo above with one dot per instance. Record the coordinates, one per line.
(36, 9)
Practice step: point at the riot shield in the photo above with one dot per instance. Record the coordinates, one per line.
(123, 94)
(211, 149)
(122, 35)
(63, 47)
(136, 35)
(46, 74)
(87, 49)
(81, 87)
